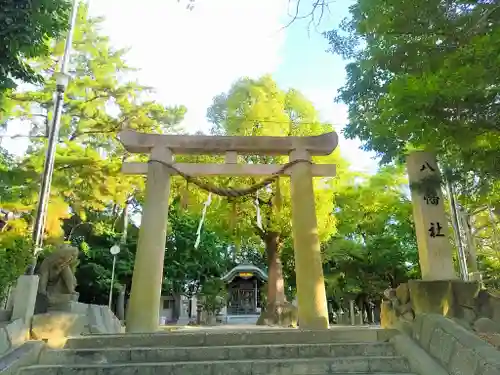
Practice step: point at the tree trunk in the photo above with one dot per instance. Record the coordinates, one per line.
(275, 283)
(176, 308)
(120, 303)
(277, 310)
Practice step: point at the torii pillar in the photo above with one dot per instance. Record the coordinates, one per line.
(143, 309)
(311, 295)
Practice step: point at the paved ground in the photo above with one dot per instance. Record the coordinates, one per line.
(247, 327)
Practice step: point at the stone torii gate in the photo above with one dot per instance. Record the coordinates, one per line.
(143, 307)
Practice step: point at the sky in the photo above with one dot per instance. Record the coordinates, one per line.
(189, 56)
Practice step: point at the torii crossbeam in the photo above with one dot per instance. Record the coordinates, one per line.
(144, 304)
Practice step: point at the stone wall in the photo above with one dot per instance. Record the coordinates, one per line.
(454, 321)
(465, 302)
(457, 349)
(26, 354)
(12, 335)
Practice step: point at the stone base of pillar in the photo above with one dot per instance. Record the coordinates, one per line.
(442, 297)
(25, 298)
(388, 318)
(464, 301)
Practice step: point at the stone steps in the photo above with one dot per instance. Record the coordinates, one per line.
(214, 353)
(233, 338)
(339, 351)
(386, 365)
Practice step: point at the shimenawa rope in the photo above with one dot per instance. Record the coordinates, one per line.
(232, 192)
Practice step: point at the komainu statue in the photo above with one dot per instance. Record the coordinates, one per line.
(56, 288)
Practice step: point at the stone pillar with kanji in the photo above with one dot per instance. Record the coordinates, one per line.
(431, 224)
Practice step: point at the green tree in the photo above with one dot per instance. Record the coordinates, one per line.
(213, 295)
(257, 107)
(15, 244)
(8, 183)
(485, 231)
(88, 190)
(96, 262)
(375, 246)
(186, 267)
(100, 101)
(433, 84)
(27, 28)
(15, 252)
(424, 84)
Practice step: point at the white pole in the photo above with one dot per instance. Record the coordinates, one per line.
(112, 282)
(496, 236)
(462, 262)
(69, 38)
(48, 168)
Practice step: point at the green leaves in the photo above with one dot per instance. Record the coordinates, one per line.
(213, 294)
(186, 267)
(15, 252)
(94, 271)
(259, 107)
(99, 102)
(88, 192)
(27, 27)
(426, 76)
(374, 247)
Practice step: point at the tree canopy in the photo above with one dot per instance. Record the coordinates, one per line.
(27, 29)
(88, 190)
(375, 246)
(424, 74)
(188, 266)
(257, 107)
(100, 101)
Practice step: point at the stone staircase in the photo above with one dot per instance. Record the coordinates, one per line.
(340, 351)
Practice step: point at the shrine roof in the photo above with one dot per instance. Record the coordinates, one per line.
(256, 271)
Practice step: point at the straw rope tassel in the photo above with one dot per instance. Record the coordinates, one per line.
(200, 225)
(257, 206)
(234, 216)
(278, 198)
(185, 196)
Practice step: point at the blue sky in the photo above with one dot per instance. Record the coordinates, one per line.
(191, 56)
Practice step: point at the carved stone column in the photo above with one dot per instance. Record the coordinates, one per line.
(431, 225)
(311, 295)
(144, 304)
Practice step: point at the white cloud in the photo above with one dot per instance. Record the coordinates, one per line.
(191, 56)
